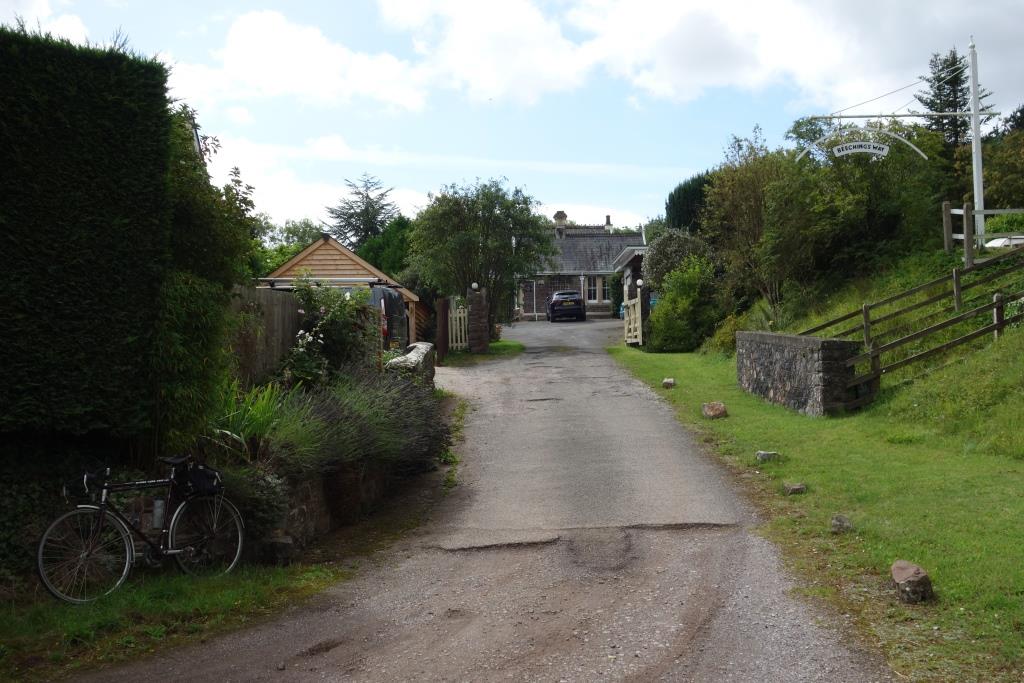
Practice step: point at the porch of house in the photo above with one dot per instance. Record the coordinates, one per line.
(533, 294)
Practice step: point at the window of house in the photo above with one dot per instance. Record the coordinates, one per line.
(604, 290)
(591, 288)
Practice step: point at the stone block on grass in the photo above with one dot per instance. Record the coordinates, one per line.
(841, 524)
(714, 410)
(912, 582)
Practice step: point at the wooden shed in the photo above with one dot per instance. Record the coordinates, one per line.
(329, 258)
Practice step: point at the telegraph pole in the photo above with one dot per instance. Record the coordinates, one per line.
(979, 188)
(975, 116)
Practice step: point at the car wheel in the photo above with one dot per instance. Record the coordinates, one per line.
(583, 317)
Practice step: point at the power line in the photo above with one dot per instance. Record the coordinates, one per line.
(893, 92)
(942, 82)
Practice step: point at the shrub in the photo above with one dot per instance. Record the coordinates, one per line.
(724, 338)
(686, 312)
(1013, 222)
(83, 214)
(667, 253)
(116, 331)
(339, 330)
(364, 416)
(615, 292)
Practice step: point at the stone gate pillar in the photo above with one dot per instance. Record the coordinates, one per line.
(479, 327)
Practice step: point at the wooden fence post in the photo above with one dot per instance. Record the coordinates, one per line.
(997, 314)
(441, 336)
(866, 314)
(947, 228)
(968, 235)
(869, 344)
(958, 297)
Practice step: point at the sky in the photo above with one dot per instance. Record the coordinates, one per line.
(595, 107)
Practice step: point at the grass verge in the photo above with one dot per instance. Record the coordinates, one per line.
(917, 486)
(450, 457)
(43, 639)
(505, 348)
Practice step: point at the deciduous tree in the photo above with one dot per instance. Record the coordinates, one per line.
(484, 233)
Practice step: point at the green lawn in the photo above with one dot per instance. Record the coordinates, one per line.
(932, 473)
(504, 348)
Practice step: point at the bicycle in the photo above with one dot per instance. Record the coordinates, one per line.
(88, 552)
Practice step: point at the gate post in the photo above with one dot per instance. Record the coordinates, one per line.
(479, 321)
(947, 227)
(997, 314)
(968, 235)
(441, 339)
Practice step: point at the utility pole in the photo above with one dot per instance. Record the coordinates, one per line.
(975, 116)
(979, 189)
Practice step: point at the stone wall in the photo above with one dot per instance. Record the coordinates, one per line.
(807, 374)
(418, 361)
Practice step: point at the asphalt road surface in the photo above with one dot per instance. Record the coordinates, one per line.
(589, 538)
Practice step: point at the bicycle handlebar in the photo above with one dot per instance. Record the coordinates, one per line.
(100, 477)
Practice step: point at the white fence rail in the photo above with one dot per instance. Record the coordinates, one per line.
(458, 328)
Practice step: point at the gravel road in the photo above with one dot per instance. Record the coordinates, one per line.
(589, 538)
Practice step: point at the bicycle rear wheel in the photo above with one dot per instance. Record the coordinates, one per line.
(83, 556)
(210, 532)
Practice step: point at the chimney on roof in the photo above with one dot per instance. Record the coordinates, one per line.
(561, 219)
(608, 220)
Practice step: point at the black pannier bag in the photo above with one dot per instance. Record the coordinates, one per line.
(201, 480)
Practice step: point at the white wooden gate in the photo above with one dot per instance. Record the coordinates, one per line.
(458, 328)
(634, 323)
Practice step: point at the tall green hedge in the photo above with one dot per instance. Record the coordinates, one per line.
(85, 234)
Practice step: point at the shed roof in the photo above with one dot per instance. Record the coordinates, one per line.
(329, 258)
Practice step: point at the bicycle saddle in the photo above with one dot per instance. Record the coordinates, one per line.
(173, 462)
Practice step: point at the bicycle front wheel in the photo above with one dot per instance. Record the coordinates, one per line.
(84, 556)
(208, 531)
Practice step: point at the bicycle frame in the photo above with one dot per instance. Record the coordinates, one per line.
(106, 506)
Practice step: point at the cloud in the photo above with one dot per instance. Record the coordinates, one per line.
(283, 193)
(832, 53)
(491, 51)
(267, 56)
(239, 115)
(38, 13)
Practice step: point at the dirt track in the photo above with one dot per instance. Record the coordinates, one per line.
(589, 538)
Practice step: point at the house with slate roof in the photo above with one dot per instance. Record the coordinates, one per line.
(584, 262)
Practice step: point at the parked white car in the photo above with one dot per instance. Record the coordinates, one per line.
(1001, 242)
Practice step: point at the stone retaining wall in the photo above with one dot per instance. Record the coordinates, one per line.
(807, 374)
(419, 361)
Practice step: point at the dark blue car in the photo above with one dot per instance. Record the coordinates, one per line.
(567, 304)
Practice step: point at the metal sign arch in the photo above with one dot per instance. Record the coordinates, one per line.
(859, 129)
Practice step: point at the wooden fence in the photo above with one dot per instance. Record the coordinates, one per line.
(633, 321)
(458, 328)
(971, 242)
(268, 322)
(904, 330)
